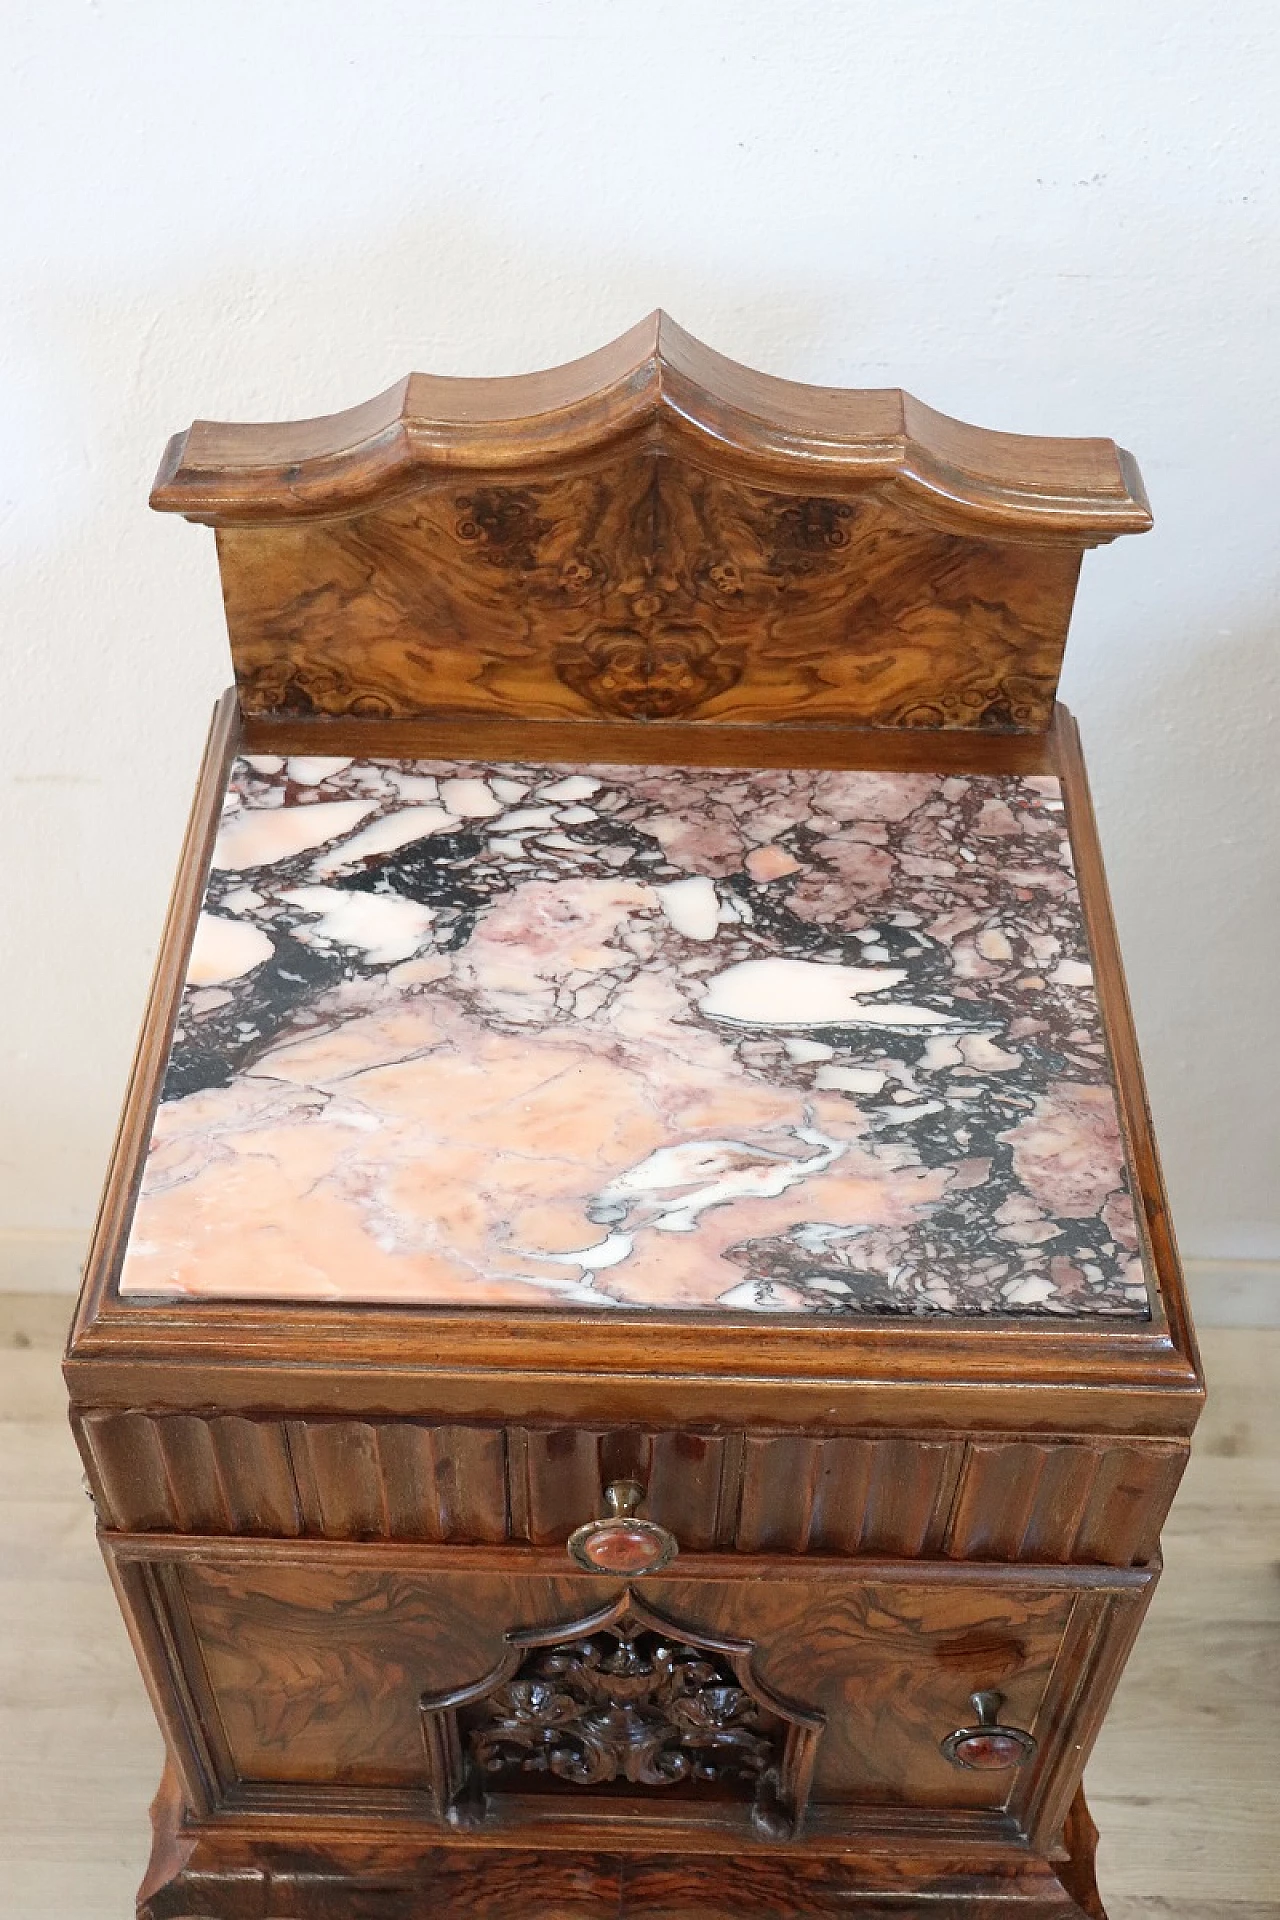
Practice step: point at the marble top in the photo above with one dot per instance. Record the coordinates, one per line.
(507, 1035)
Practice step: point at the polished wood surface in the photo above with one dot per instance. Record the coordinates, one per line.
(1187, 1821)
(312, 1666)
(753, 422)
(978, 1496)
(330, 1528)
(650, 533)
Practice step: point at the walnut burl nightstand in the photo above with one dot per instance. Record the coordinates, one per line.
(633, 1360)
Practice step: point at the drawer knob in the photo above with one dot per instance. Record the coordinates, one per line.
(622, 1543)
(988, 1746)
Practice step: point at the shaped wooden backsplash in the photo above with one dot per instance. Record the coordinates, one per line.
(650, 533)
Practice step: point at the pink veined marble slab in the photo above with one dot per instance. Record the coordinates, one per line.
(499, 1035)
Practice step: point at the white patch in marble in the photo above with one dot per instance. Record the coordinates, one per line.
(414, 786)
(1030, 1293)
(385, 927)
(576, 816)
(241, 900)
(756, 1296)
(508, 790)
(577, 786)
(264, 763)
(473, 799)
(898, 1116)
(1072, 973)
(810, 993)
(393, 830)
(581, 1293)
(225, 950)
(940, 1051)
(849, 1079)
(673, 1186)
(609, 1252)
(259, 836)
(692, 906)
(307, 770)
(803, 1051)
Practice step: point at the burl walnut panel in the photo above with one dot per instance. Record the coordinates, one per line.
(646, 591)
(994, 1498)
(650, 533)
(316, 1674)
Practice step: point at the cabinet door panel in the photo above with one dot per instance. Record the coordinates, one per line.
(367, 1671)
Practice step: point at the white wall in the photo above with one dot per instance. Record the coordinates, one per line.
(1057, 218)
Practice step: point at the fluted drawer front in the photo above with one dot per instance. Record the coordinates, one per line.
(992, 1497)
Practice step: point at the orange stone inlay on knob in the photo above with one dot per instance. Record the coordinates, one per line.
(622, 1544)
(617, 1547)
(989, 1745)
(988, 1751)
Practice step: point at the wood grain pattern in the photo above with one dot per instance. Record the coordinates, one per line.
(650, 533)
(315, 1669)
(649, 591)
(1187, 1821)
(996, 1498)
(315, 1516)
(317, 1873)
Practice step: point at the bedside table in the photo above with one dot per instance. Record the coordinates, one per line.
(633, 1359)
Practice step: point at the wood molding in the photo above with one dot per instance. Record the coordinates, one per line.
(652, 533)
(655, 381)
(218, 1868)
(997, 1498)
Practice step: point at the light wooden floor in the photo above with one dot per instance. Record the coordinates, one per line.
(1185, 1784)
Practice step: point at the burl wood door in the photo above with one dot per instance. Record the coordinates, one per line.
(491, 1690)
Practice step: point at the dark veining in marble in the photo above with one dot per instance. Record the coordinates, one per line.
(785, 1042)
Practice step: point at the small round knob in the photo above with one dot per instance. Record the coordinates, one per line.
(622, 1544)
(988, 1746)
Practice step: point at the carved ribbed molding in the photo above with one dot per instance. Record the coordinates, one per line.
(902, 1495)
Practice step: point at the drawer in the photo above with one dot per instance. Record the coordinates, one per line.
(488, 1691)
(966, 1496)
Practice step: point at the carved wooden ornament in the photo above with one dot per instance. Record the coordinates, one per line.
(622, 1695)
(650, 533)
